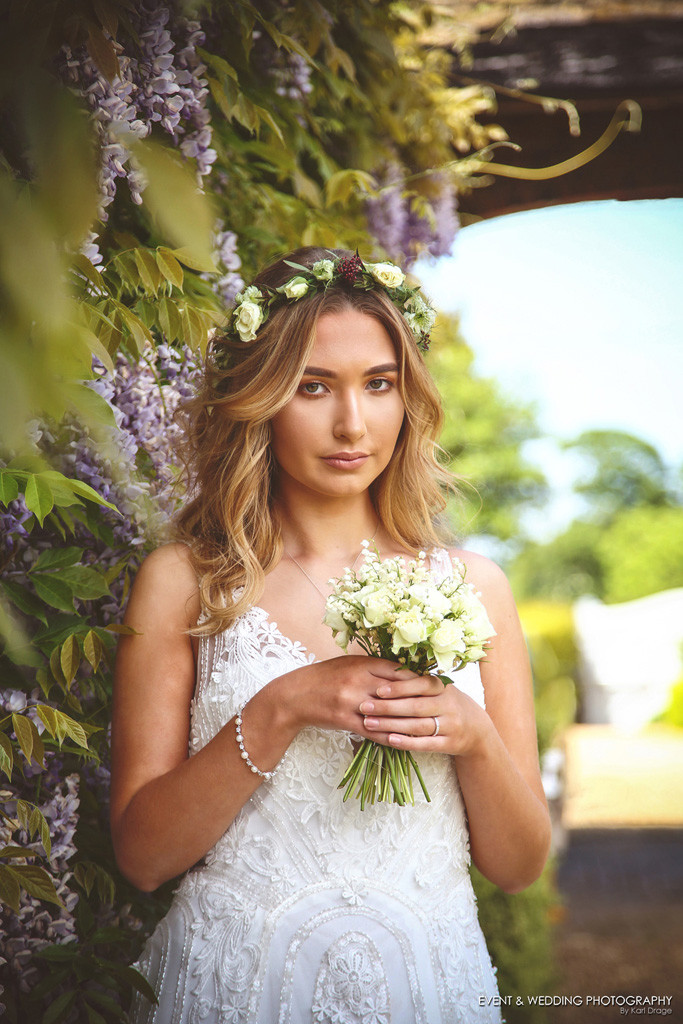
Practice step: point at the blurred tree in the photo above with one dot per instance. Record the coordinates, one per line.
(641, 552)
(560, 569)
(624, 472)
(628, 544)
(483, 434)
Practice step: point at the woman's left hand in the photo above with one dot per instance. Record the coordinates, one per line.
(405, 712)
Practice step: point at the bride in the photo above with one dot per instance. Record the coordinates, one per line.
(235, 716)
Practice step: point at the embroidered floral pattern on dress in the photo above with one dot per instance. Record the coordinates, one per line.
(305, 898)
(351, 987)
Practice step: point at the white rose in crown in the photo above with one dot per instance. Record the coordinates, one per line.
(248, 318)
(388, 275)
(295, 288)
(323, 270)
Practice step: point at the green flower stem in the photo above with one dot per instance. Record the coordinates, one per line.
(381, 774)
(419, 776)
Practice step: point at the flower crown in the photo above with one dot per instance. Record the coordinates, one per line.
(254, 304)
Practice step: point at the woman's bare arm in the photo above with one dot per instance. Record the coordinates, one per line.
(168, 809)
(495, 750)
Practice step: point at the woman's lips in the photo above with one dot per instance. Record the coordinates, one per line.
(346, 460)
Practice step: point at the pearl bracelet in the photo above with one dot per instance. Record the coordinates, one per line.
(243, 752)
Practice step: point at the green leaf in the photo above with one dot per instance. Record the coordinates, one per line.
(24, 600)
(105, 1001)
(86, 491)
(38, 496)
(10, 890)
(6, 755)
(138, 330)
(93, 1016)
(48, 716)
(87, 269)
(53, 591)
(58, 556)
(89, 405)
(104, 56)
(184, 214)
(132, 976)
(84, 581)
(59, 1007)
(45, 837)
(93, 648)
(24, 734)
(346, 183)
(37, 882)
(218, 63)
(169, 266)
(9, 488)
(74, 730)
(169, 318)
(16, 851)
(23, 813)
(61, 953)
(70, 658)
(149, 271)
(195, 260)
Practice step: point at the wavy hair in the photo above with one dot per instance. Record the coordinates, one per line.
(229, 521)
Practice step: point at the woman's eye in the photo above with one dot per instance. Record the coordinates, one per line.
(312, 387)
(379, 384)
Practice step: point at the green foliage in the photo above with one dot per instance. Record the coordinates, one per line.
(560, 569)
(625, 472)
(287, 173)
(673, 712)
(518, 932)
(628, 544)
(483, 434)
(549, 632)
(642, 553)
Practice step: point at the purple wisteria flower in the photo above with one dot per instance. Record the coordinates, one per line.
(229, 283)
(404, 233)
(161, 87)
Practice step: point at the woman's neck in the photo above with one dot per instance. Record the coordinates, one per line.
(330, 530)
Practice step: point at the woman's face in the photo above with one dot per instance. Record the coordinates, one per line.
(339, 431)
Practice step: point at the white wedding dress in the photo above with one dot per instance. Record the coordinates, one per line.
(309, 910)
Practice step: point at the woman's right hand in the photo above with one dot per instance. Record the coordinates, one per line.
(328, 694)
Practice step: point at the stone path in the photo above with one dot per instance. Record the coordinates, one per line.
(621, 931)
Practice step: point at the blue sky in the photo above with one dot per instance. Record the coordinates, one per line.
(578, 308)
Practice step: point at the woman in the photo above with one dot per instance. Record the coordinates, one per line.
(316, 428)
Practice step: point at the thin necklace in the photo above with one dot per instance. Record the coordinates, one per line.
(312, 581)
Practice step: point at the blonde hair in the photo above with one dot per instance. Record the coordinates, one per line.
(229, 522)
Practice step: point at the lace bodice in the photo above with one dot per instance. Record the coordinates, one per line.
(307, 908)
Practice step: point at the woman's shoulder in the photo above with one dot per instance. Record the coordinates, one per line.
(486, 575)
(167, 581)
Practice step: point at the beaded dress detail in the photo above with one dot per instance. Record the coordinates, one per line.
(309, 910)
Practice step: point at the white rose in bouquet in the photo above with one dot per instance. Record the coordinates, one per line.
(397, 611)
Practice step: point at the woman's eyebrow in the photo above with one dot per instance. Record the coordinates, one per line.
(319, 371)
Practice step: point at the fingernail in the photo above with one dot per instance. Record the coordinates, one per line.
(372, 723)
(366, 707)
(383, 691)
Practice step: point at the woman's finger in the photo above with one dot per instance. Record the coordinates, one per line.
(391, 671)
(404, 726)
(410, 686)
(402, 707)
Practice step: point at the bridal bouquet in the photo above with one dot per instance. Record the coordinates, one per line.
(396, 611)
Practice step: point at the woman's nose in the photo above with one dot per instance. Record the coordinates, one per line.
(350, 421)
